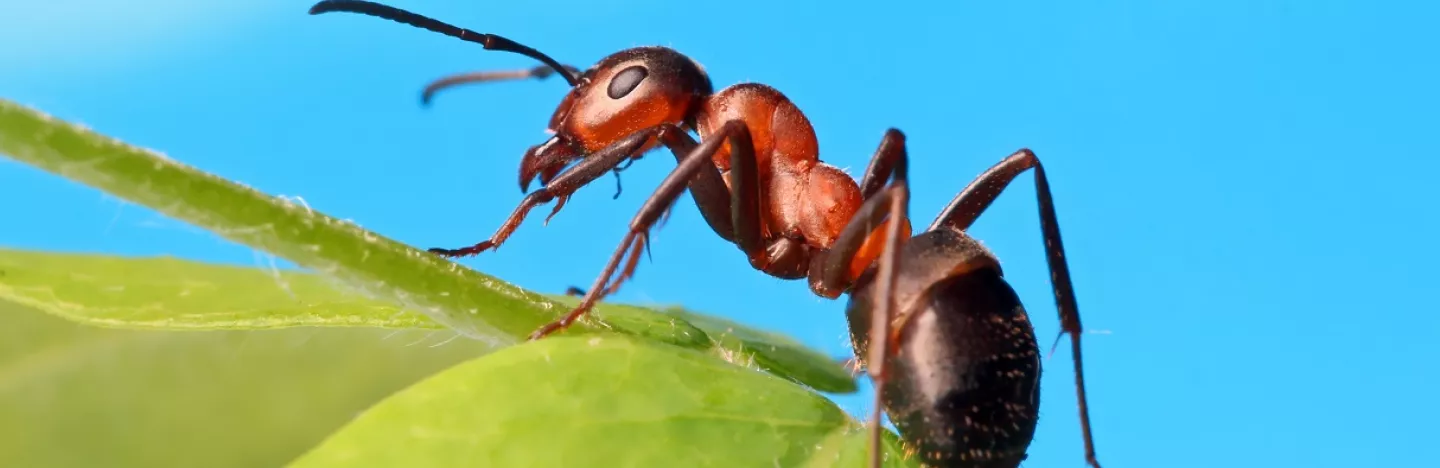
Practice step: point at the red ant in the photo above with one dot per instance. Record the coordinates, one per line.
(957, 367)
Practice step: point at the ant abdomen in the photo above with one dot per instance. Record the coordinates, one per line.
(963, 385)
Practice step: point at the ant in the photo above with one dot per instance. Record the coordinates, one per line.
(932, 319)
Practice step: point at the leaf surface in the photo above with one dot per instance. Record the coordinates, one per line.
(73, 395)
(596, 401)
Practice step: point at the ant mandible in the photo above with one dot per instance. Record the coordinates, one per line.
(932, 319)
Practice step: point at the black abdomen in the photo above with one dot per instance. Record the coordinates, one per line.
(964, 386)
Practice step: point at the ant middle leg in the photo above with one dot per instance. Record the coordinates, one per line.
(696, 165)
(966, 207)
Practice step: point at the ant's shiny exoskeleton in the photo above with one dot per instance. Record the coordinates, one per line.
(931, 317)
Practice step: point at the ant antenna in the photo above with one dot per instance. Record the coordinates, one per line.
(540, 72)
(489, 41)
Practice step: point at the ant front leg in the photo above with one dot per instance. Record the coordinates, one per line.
(889, 205)
(966, 207)
(692, 167)
(705, 185)
(562, 186)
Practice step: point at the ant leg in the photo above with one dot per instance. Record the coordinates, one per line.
(559, 203)
(562, 186)
(880, 346)
(617, 183)
(975, 198)
(889, 205)
(852, 363)
(856, 248)
(744, 193)
(734, 211)
(617, 171)
(541, 72)
(696, 161)
(707, 188)
(882, 164)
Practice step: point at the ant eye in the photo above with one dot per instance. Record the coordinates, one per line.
(626, 81)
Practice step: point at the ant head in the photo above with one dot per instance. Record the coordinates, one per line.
(625, 92)
(628, 91)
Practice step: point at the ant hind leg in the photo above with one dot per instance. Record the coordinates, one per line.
(966, 207)
(890, 205)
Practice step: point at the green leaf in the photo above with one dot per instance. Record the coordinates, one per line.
(850, 447)
(597, 401)
(477, 305)
(750, 347)
(73, 395)
(774, 352)
(169, 293)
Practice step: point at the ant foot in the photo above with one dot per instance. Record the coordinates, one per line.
(546, 330)
(465, 252)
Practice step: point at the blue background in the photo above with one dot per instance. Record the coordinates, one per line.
(1239, 183)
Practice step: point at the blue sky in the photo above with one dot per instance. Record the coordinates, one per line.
(1239, 184)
